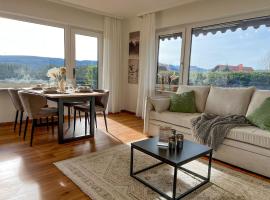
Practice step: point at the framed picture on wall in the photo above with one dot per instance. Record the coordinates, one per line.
(133, 70)
(133, 60)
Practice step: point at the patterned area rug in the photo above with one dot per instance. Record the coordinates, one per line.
(105, 176)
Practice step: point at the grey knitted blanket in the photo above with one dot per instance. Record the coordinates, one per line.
(211, 129)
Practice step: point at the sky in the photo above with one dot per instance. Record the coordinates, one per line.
(30, 39)
(86, 47)
(250, 48)
(170, 51)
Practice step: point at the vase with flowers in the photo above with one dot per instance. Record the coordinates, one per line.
(162, 79)
(173, 82)
(59, 76)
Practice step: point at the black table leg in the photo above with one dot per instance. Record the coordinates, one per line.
(60, 121)
(209, 165)
(131, 161)
(174, 182)
(92, 115)
(68, 116)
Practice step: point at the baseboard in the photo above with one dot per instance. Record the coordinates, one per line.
(126, 111)
(6, 124)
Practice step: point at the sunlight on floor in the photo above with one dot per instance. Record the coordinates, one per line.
(12, 182)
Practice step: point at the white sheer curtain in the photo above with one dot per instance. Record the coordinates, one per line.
(112, 62)
(147, 63)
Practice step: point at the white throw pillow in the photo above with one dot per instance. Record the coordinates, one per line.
(160, 104)
(228, 101)
(257, 99)
(201, 94)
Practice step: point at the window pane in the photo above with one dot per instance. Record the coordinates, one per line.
(86, 60)
(27, 51)
(231, 57)
(169, 58)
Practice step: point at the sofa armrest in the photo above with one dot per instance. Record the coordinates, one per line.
(148, 107)
(160, 104)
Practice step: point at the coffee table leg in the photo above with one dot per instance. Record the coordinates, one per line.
(174, 182)
(209, 165)
(131, 161)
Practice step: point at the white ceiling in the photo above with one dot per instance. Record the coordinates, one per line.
(123, 8)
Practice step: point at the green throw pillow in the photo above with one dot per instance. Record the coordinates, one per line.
(184, 102)
(261, 116)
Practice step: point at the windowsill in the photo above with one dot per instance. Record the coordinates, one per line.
(165, 91)
(166, 88)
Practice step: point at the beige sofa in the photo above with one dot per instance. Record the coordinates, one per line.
(245, 147)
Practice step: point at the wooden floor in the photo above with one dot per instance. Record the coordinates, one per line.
(28, 172)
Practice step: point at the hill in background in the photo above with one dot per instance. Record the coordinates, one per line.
(40, 62)
(175, 68)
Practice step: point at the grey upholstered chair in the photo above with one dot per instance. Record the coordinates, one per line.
(13, 93)
(35, 108)
(101, 103)
(70, 105)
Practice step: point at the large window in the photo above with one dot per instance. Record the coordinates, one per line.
(235, 54)
(169, 61)
(27, 51)
(86, 57)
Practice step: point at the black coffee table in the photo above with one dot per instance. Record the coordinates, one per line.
(176, 159)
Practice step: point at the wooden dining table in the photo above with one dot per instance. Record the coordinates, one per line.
(60, 99)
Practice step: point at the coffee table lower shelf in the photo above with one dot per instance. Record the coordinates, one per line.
(176, 168)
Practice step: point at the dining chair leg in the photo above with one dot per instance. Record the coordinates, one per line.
(16, 120)
(32, 131)
(21, 118)
(25, 127)
(105, 119)
(80, 116)
(68, 116)
(47, 121)
(74, 121)
(52, 125)
(86, 116)
(96, 119)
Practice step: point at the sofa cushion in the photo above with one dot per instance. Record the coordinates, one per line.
(228, 101)
(257, 99)
(201, 93)
(175, 118)
(261, 116)
(184, 102)
(250, 135)
(160, 103)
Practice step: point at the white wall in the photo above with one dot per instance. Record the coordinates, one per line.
(130, 90)
(44, 11)
(52, 12)
(201, 11)
(205, 10)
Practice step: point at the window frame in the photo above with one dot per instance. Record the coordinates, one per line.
(86, 32)
(69, 48)
(170, 31)
(45, 23)
(191, 26)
